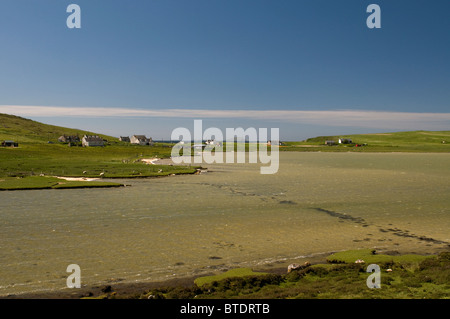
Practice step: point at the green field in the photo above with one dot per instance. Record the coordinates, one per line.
(112, 161)
(415, 141)
(115, 161)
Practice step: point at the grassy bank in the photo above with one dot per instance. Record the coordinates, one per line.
(42, 182)
(233, 273)
(21, 167)
(39, 154)
(402, 277)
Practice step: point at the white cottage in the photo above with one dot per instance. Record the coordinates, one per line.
(92, 141)
(141, 140)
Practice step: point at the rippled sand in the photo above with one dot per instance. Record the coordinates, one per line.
(231, 216)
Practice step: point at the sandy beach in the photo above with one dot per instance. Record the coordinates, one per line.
(152, 161)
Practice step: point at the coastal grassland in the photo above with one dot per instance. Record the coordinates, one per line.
(40, 154)
(414, 141)
(402, 277)
(369, 256)
(117, 160)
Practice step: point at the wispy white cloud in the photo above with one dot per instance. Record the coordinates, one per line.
(338, 118)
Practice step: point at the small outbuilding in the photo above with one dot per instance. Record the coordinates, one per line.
(124, 139)
(213, 143)
(345, 141)
(69, 139)
(10, 144)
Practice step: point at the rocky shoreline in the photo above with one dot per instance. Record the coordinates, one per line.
(131, 290)
(291, 270)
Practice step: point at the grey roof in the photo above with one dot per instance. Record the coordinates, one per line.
(92, 138)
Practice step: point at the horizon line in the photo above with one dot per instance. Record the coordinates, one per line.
(337, 118)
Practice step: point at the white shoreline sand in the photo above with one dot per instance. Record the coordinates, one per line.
(78, 179)
(151, 161)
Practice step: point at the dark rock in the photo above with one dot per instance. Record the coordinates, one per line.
(293, 267)
(107, 289)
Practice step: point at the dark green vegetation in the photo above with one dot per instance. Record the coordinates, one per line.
(233, 273)
(402, 277)
(416, 141)
(36, 156)
(113, 161)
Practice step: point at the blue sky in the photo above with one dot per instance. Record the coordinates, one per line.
(238, 60)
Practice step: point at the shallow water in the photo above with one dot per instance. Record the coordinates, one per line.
(231, 216)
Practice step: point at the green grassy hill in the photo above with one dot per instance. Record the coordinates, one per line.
(398, 138)
(24, 130)
(414, 141)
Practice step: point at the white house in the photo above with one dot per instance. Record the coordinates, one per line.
(213, 143)
(141, 140)
(92, 141)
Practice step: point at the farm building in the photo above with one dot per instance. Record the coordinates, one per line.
(213, 143)
(9, 144)
(124, 139)
(92, 141)
(68, 139)
(274, 143)
(330, 143)
(141, 140)
(345, 141)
